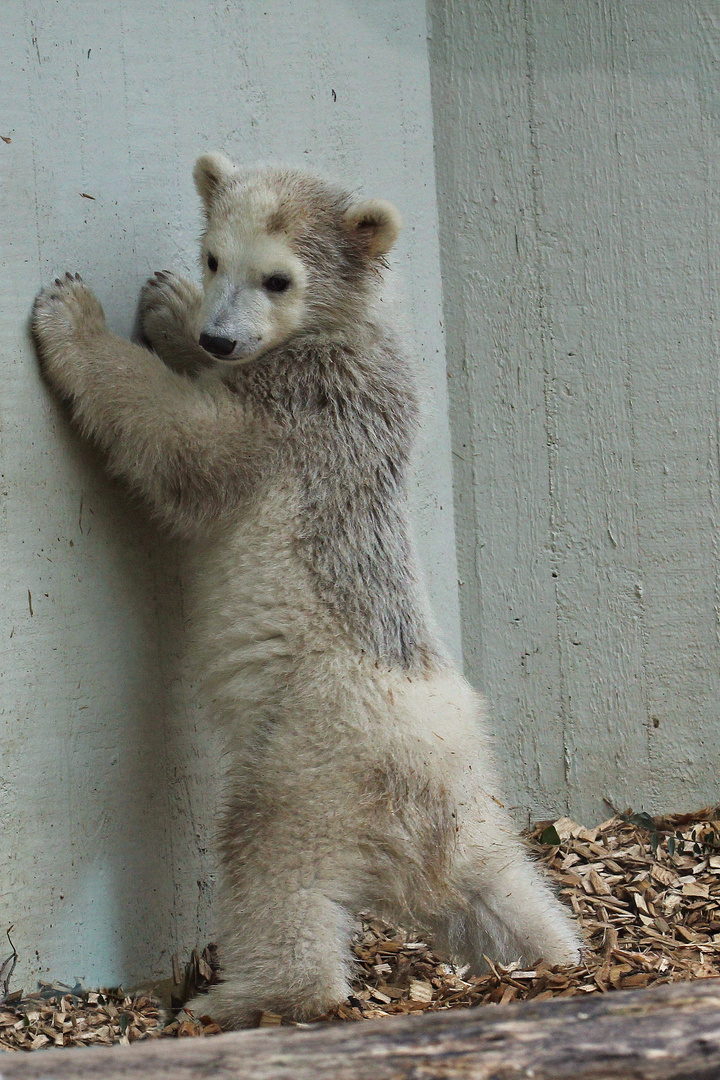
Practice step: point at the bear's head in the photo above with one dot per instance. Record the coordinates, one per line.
(283, 253)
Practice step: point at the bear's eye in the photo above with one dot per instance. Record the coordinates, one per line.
(212, 263)
(277, 283)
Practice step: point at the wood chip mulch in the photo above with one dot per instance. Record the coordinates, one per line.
(646, 892)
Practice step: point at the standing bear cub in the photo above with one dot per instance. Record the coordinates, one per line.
(271, 425)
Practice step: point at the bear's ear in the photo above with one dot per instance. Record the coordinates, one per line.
(211, 174)
(376, 224)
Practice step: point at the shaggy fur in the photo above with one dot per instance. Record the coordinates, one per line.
(360, 777)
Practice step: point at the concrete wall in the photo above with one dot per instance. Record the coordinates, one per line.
(578, 165)
(107, 778)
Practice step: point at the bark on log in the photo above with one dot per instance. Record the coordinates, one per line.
(664, 1033)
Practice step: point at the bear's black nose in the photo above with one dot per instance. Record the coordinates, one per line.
(217, 346)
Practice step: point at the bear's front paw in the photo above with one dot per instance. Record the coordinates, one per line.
(169, 311)
(66, 309)
(66, 320)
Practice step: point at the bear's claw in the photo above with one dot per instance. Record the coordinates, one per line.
(66, 306)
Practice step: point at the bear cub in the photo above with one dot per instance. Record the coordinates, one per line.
(270, 423)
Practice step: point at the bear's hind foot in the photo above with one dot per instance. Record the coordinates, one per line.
(234, 1005)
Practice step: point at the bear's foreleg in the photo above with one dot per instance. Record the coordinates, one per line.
(185, 445)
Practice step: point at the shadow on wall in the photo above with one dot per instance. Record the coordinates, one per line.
(128, 795)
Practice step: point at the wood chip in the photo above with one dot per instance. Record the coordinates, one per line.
(697, 888)
(270, 1019)
(599, 887)
(663, 875)
(420, 991)
(648, 901)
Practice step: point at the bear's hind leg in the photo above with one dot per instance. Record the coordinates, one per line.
(507, 911)
(286, 953)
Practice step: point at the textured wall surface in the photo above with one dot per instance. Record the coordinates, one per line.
(107, 778)
(578, 163)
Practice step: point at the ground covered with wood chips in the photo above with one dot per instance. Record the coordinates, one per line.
(646, 891)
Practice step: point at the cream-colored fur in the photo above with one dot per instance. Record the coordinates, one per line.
(359, 775)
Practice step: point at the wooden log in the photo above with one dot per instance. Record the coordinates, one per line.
(662, 1033)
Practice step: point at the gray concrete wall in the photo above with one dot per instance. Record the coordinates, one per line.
(107, 777)
(578, 165)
